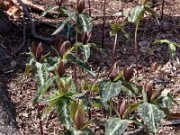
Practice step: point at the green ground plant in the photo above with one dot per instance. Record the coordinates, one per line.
(140, 105)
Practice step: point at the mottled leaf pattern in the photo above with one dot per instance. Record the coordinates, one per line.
(86, 52)
(49, 9)
(115, 126)
(135, 14)
(109, 89)
(63, 112)
(40, 73)
(80, 63)
(151, 115)
(42, 89)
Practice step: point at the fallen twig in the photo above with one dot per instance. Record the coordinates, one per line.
(33, 31)
(138, 131)
(171, 123)
(38, 8)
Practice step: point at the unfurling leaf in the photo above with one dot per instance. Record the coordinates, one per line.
(114, 71)
(79, 118)
(39, 52)
(64, 47)
(80, 6)
(128, 73)
(151, 115)
(149, 90)
(34, 48)
(122, 108)
(61, 68)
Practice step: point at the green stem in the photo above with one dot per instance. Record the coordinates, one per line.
(114, 48)
(136, 49)
(110, 108)
(75, 66)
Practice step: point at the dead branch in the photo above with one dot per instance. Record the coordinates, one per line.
(39, 8)
(33, 30)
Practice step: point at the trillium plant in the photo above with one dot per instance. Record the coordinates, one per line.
(124, 102)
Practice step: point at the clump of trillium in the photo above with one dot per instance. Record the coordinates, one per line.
(37, 50)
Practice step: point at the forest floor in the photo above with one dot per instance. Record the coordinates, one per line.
(21, 89)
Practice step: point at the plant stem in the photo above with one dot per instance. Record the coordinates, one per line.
(104, 21)
(75, 66)
(39, 117)
(136, 49)
(110, 108)
(114, 48)
(162, 10)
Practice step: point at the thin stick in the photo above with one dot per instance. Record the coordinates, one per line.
(33, 31)
(89, 3)
(162, 10)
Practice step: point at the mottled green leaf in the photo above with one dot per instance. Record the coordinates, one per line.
(86, 52)
(49, 9)
(116, 28)
(63, 112)
(172, 50)
(109, 89)
(130, 88)
(62, 25)
(151, 115)
(65, 12)
(42, 89)
(115, 126)
(85, 23)
(150, 10)
(80, 63)
(136, 14)
(161, 41)
(40, 73)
